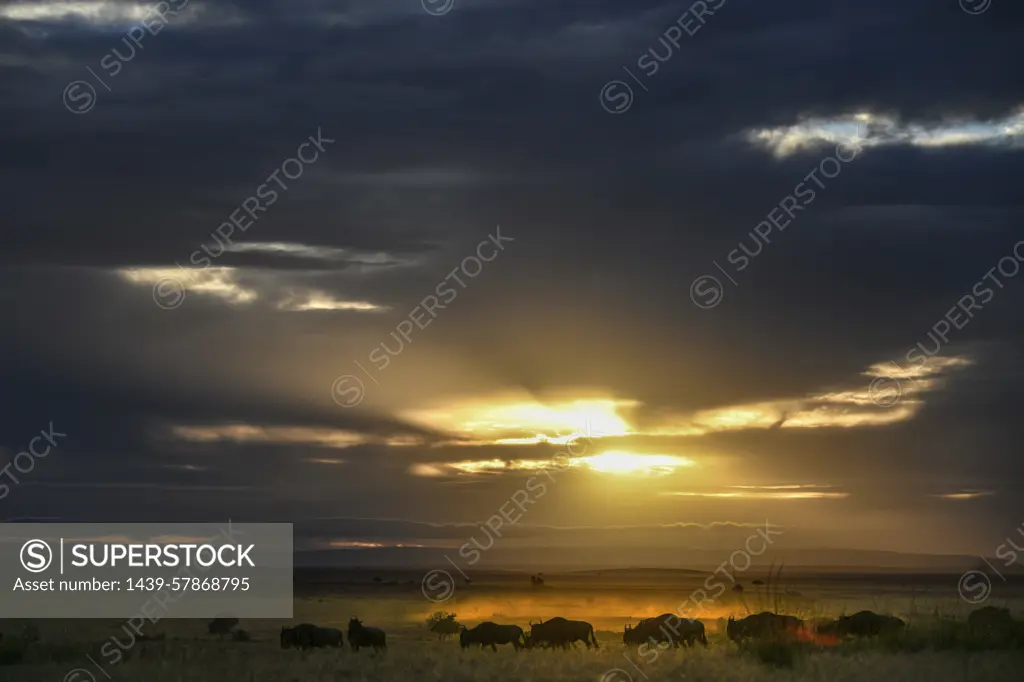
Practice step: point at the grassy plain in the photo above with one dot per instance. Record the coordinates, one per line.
(177, 650)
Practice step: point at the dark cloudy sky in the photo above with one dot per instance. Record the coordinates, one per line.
(630, 152)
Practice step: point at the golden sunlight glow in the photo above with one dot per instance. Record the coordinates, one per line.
(428, 470)
(749, 416)
(486, 466)
(291, 435)
(513, 421)
(505, 421)
(737, 417)
(611, 462)
(219, 282)
(965, 495)
(304, 301)
(849, 407)
(481, 466)
(404, 441)
(765, 495)
(787, 486)
(353, 544)
(359, 544)
(834, 417)
(937, 364)
(618, 462)
(239, 287)
(508, 422)
(495, 465)
(275, 435)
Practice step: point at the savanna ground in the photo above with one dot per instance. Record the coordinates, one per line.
(935, 648)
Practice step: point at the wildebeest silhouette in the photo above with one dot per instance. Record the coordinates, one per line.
(668, 628)
(308, 636)
(762, 625)
(221, 626)
(360, 635)
(491, 634)
(862, 624)
(991, 621)
(530, 644)
(562, 632)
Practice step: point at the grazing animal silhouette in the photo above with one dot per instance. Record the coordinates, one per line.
(307, 636)
(666, 628)
(530, 644)
(360, 635)
(761, 625)
(221, 626)
(862, 624)
(561, 632)
(491, 634)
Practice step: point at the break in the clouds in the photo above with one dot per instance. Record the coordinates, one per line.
(194, 373)
(862, 130)
(508, 420)
(326, 254)
(97, 13)
(965, 495)
(240, 287)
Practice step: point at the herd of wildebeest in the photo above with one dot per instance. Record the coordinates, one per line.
(666, 630)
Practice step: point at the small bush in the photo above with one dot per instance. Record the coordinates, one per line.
(443, 623)
(240, 635)
(438, 617)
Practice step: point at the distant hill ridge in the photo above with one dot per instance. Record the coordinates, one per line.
(650, 560)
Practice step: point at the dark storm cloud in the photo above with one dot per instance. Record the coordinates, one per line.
(445, 127)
